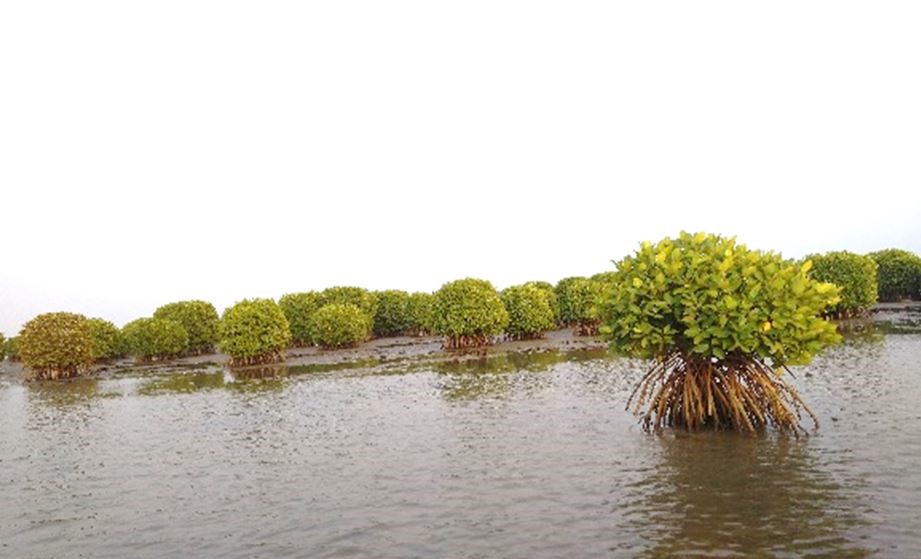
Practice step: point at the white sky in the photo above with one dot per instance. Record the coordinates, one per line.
(153, 151)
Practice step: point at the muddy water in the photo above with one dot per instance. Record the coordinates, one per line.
(519, 455)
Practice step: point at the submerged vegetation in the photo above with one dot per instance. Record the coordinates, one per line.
(56, 345)
(721, 322)
(254, 332)
(469, 313)
(155, 339)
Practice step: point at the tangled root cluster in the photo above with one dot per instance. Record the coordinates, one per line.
(739, 393)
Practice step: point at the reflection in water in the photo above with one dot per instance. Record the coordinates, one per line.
(63, 393)
(739, 495)
(496, 376)
(178, 383)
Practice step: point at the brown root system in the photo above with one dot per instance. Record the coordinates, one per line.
(737, 393)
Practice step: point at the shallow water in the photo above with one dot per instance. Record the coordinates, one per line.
(521, 455)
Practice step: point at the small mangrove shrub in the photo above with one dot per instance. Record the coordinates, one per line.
(421, 310)
(341, 325)
(2, 347)
(108, 342)
(720, 322)
(56, 345)
(469, 313)
(554, 301)
(358, 296)
(854, 274)
(529, 311)
(579, 298)
(254, 331)
(898, 274)
(11, 348)
(200, 320)
(299, 309)
(392, 317)
(155, 339)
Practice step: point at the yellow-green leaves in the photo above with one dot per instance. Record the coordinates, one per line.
(108, 342)
(56, 345)
(392, 317)
(340, 325)
(254, 331)
(469, 308)
(528, 309)
(706, 295)
(200, 320)
(149, 339)
(853, 273)
(899, 274)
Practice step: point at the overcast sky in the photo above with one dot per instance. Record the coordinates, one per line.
(153, 151)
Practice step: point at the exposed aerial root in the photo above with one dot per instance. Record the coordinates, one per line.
(693, 392)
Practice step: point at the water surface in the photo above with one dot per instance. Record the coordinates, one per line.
(528, 455)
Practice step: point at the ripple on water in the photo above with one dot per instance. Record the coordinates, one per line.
(525, 455)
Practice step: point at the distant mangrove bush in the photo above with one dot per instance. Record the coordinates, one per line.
(898, 274)
(56, 345)
(421, 309)
(108, 342)
(299, 309)
(854, 274)
(2, 347)
(341, 325)
(554, 301)
(392, 317)
(254, 331)
(529, 311)
(579, 299)
(720, 322)
(469, 313)
(155, 339)
(11, 348)
(358, 296)
(200, 320)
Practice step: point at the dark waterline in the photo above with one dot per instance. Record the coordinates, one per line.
(519, 455)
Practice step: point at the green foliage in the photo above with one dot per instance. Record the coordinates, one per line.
(421, 310)
(200, 320)
(552, 298)
(899, 274)
(108, 342)
(705, 295)
(254, 331)
(56, 345)
(606, 278)
(529, 312)
(11, 348)
(853, 273)
(341, 325)
(299, 309)
(358, 296)
(469, 312)
(2, 347)
(392, 317)
(154, 339)
(579, 299)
